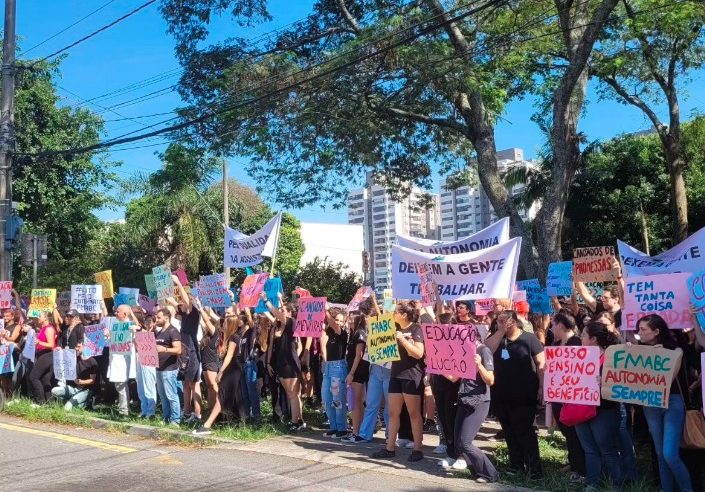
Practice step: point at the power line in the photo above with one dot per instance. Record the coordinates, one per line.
(66, 28)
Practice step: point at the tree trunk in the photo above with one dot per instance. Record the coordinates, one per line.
(679, 200)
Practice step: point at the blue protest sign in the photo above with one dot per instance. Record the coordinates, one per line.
(559, 281)
(272, 288)
(536, 296)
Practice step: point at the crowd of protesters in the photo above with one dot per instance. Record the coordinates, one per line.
(234, 358)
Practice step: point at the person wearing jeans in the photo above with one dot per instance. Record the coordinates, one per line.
(168, 348)
(334, 395)
(377, 389)
(598, 438)
(147, 390)
(76, 393)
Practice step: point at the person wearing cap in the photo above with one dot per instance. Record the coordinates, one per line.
(78, 392)
(72, 330)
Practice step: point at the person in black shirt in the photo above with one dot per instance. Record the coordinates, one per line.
(406, 381)
(76, 393)
(334, 347)
(519, 362)
(168, 341)
(72, 330)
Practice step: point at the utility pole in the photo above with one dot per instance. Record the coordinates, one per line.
(7, 134)
(226, 210)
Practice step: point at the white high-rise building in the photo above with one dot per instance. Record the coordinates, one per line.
(383, 218)
(467, 210)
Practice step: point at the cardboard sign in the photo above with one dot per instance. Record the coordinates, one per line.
(300, 292)
(150, 287)
(251, 289)
(30, 345)
(595, 264)
(450, 349)
(696, 289)
(120, 337)
(163, 283)
(7, 363)
(149, 305)
(559, 281)
(572, 375)
(132, 295)
(382, 339)
(63, 301)
(639, 374)
(388, 298)
(484, 306)
(6, 294)
(93, 341)
(311, 317)
(43, 301)
(273, 287)
(536, 296)
(362, 293)
(666, 295)
(425, 284)
(181, 274)
(87, 299)
(213, 291)
(146, 347)
(105, 279)
(65, 364)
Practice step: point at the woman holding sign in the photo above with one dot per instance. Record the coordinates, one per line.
(406, 381)
(41, 373)
(334, 342)
(666, 424)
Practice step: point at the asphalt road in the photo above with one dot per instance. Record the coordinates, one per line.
(46, 457)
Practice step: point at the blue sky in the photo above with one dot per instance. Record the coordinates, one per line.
(139, 47)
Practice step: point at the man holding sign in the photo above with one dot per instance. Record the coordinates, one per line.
(76, 392)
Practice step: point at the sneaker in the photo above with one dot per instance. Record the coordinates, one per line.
(481, 480)
(341, 434)
(384, 453)
(440, 449)
(300, 425)
(459, 464)
(353, 439)
(415, 456)
(330, 433)
(446, 463)
(201, 431)
(402, 442)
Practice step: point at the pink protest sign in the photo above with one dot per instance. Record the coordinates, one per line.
(252, 287)
(484, 306)
(181, 274)
(425, 284)
(5, 294)
(361, 294)
(450, 349)
(572, 375)
(666, 295)
(146, 347)
(311, 317)
(149, 305)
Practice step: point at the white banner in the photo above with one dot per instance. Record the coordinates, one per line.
(497, 233)
(489, 273)
(87, 299)
(242, 251)
(688, 256)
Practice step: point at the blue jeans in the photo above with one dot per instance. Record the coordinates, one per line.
(666, 428)
(377, 388)
(147, 389)
(72, 396)
(250, 391)
(626, 445)
(166, 387)
(334, 394)
(599, 440)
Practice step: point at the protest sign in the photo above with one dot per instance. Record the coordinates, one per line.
(149, 305)
(492, 235)
(425, 285)
(30, 345)
(666, 295)
(272, 287)
(251, 289)
(488, 273)
(484, 306)
(572, 375)
(519, 295)
(163, 283)
(6, 294)
(120, 337)
(595, 264)
(311, 317)
(382, 339)
(181, 275)
(595, 288)
(242, 251)
(388, 305)
(536, 296)
(65, 364)
(696, 289)
(7, 363)
(43, 301)
(559, 281)
(362, 293)
(213, 291)
(119, 299)
(146, 347)
(300, 292)
(450, 349)
(639, 374)
(150, 287)
(93, 340)
(687, 256)
(87, 299)
(105, 279)
(63, 301)
(132, 295)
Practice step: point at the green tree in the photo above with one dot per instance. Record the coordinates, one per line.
(641, 62)
(325, 279)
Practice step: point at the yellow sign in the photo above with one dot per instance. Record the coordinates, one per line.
(382, 339)
(106, 280)
(43, 300)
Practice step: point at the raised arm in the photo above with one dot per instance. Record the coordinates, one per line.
(185, 303)
(590, 301)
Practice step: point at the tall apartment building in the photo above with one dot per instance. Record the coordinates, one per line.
(467, 210)
(382, 219)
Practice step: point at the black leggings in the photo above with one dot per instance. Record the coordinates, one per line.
(40, 376)
(446, 397)
(468, 421)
